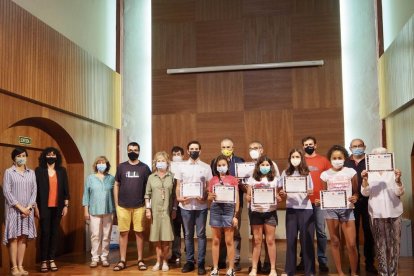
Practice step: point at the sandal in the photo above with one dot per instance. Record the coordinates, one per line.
(22, 271)
(43, 267)
(14, 271)
(53, 266)
(141, 265)
(121, 265)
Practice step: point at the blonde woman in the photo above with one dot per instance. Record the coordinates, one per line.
(98, 203)
(160, 208)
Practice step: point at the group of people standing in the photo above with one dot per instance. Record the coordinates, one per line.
(138, 194)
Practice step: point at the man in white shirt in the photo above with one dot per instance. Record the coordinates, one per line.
(193, 209)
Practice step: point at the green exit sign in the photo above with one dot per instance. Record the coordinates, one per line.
(25, 140)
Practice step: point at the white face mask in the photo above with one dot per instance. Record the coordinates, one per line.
(161, 165)
(295, 162)
(254, 154)
(222, 169)
(337, 164)
(177, 158)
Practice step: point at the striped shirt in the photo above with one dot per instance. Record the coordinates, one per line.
(19, 188)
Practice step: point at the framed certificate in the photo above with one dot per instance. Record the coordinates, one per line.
(334, 200)
(244, 170)
(295, 184)
(380, 162)
(263, 196)
(192, 189)
(224, 193)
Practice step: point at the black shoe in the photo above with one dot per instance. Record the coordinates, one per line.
(265, 268)
(222, 265)
(188, 267)
(201, 270)
(237, 266)
(322, 267)
(174, 260)
(371, 269)
(301, 267)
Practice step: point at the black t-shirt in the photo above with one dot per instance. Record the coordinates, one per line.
(132, 181)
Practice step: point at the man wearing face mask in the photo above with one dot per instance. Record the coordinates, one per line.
(194, 210)
(177, 154)
(129, 191)
(227, 149)
(255, 151)
(357, 162)
(317, 164)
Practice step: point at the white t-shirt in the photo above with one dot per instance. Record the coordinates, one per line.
(189, 172)
(384, 195)
(340, 181)
(263, 183)
(297, 200)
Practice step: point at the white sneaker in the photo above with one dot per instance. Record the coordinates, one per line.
(165, 267)
(156, 267)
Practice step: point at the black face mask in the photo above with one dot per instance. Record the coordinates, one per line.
(194, 155)
(309, 150)
(133, 156)
(51, 160)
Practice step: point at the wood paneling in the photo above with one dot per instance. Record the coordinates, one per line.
(277, 107)
(220, 92)
(219, 42)
(268, 89)
(42, 65)
(173, 10)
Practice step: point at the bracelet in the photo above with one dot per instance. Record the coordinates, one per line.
(66, 205)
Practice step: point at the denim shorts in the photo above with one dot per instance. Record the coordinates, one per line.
(340, 214)
(258, 218)
(221, 214)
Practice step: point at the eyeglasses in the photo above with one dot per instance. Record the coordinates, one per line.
(255, 148)
(357, 146)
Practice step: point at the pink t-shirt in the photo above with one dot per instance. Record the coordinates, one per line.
(227, 180)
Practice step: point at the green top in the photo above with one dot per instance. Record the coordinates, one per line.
(98, 195)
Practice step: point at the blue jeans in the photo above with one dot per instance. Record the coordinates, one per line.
(197, 218)
(321, 238)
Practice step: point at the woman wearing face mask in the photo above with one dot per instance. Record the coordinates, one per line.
(53, 203)
(342, 178)
(160, 208)
(299, 215)
(263, 217)
(19, 189)
(223, 216)
(384, 190)
(98, 203)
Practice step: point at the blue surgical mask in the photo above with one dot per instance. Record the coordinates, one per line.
(358, 151)
(264, 170)
(222, 169)
(161, 165)
(101, 167)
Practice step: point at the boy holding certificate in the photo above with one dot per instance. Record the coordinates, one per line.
(223, 192)
(296, 186)
(262, 196)
(338, 200)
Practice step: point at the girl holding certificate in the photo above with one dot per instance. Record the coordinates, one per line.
(296, 186)
(223, 193)
(340, 178)
(159, 202)
(384, 189)
(263, 200)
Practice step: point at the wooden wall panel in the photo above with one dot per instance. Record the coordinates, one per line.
(220, 92)
(218, 42)
(277, 107)
(318, 87)
(267, 39)
(42, 65)
(173, 93)
(268, 89)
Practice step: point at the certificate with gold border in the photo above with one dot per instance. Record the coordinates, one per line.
(334, 200)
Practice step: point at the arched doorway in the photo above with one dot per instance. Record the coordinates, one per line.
(34, 134)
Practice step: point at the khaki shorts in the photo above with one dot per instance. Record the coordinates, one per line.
(126, 215)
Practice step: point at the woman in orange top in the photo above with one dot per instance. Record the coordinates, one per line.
(52, 201)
